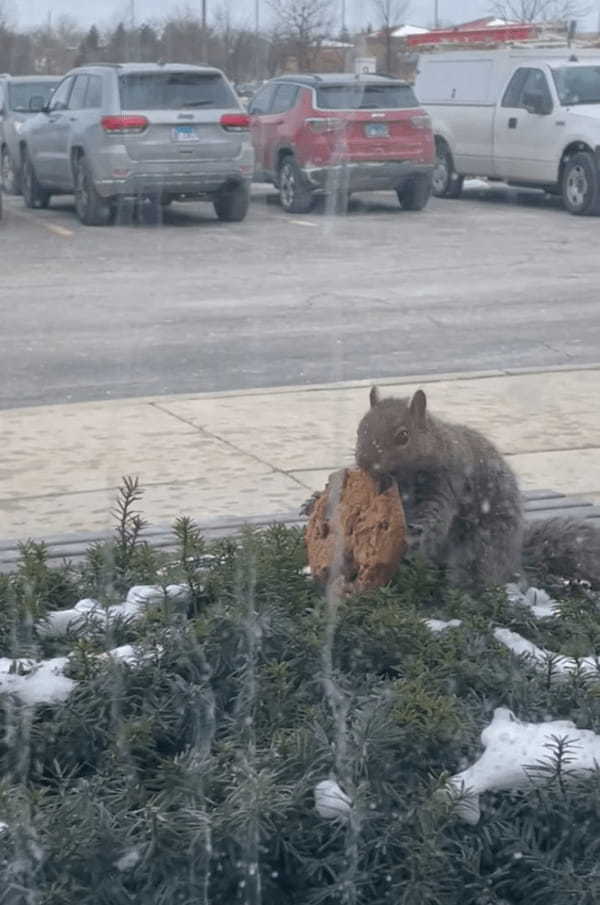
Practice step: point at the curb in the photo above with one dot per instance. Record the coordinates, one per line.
(74, 546)
(341, 386)
(538, 504)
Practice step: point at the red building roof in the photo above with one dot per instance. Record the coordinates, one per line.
(474, 33)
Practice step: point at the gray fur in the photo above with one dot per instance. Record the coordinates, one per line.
(462, 500)
(562, 548)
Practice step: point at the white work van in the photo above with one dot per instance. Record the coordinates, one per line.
(529, 117)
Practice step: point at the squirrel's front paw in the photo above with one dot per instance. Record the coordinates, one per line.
(308, 505)
(415, 536)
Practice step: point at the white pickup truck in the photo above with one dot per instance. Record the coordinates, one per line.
(528, 117)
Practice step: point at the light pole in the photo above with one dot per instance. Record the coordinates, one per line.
(132, 44)
(204, 44)
(436, 14)
(256, 40)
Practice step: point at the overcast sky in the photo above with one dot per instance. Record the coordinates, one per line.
(107, 12)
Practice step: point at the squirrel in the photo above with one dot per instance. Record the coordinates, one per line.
(462, 501)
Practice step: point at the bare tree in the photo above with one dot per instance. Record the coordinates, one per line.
(390, 14)
(7, 14)
(277, 52)
(238, 44)
(539, 10)
(148, 44)
(117, 45)
(184, 38)
(302, 25)
(55, 47)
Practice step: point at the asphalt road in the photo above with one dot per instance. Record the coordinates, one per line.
(496, 280)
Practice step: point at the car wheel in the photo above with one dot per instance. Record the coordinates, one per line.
(34, 195)
(296, 197)
(446, 182)
(581, 185)
(415, 194)
(10, 178)
(92, 209)
(231, 204)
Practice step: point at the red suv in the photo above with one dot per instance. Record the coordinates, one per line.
(339, 133)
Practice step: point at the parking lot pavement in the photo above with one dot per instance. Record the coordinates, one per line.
(497, 280)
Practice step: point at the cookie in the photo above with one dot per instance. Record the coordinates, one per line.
(356, 534)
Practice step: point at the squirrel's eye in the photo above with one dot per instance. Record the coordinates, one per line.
(402, 437)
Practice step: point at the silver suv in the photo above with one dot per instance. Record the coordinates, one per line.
(139, 130)
(21, 96)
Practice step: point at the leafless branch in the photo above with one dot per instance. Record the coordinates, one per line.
(539, 10)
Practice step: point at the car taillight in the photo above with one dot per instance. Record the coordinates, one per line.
(421, 121)
(235, 122)
(124, 125)
(322, 124)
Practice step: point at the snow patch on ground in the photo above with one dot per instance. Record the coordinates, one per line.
(89, 612)
(515, 755)
(542, 658)
(440, 625)
(44, 681)
(36, 682)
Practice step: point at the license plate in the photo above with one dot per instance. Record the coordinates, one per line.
(184, 133)
(376, 130)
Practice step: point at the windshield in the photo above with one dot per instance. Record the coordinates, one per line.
(577, 85)
(20, 94)
(362, 97)
(174, 90)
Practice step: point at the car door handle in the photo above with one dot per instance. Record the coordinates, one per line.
(512, 123)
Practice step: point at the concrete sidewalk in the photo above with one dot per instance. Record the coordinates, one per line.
(236, 455)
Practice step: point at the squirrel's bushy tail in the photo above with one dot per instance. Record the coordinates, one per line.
(562, 548)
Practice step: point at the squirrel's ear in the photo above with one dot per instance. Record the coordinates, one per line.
(374, 396)
(418, 406)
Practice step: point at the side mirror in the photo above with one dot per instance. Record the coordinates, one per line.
(536, 102)
(36, 103)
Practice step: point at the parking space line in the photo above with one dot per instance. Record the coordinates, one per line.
(302, 222)
(56, 229)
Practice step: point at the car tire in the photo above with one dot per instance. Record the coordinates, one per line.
(92, 209)
(415, 194)
(232, 202)
(445, 182)
(581, 185)
(10, 177)
(34, 196)
(295, 195)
